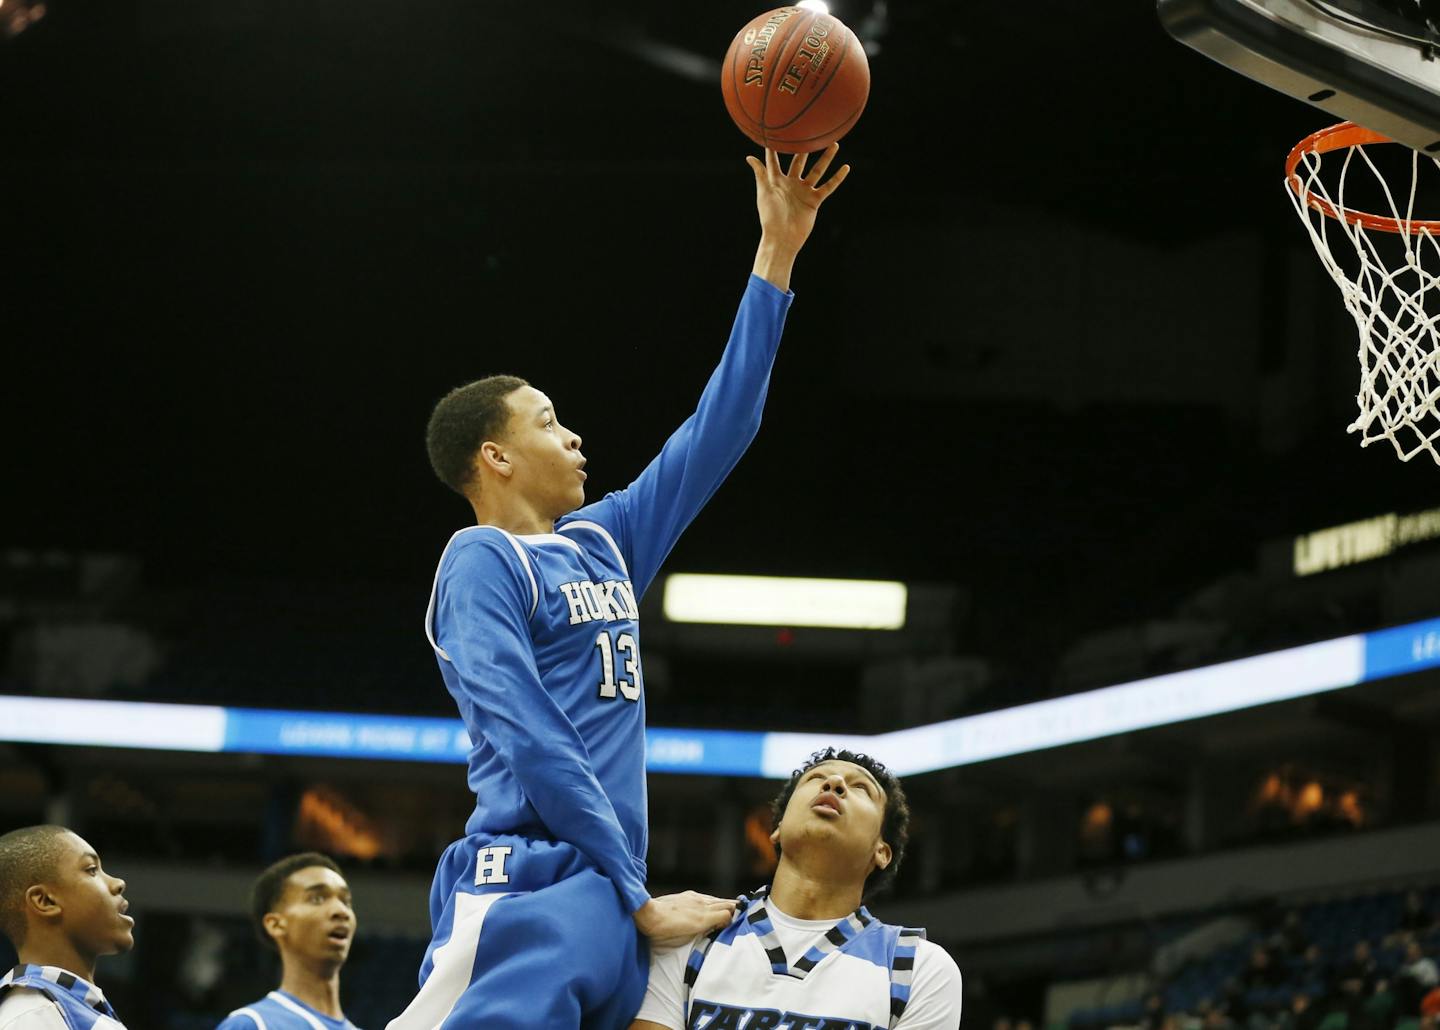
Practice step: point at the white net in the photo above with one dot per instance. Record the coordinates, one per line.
(1391, 284)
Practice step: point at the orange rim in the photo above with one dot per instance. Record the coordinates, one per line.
(1338, 137)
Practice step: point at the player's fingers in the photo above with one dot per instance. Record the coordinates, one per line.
(817, 172)
(772, 161)
(797, 165)
(834, 183)
(755, 166)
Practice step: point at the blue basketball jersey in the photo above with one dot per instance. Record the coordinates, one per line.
(538, 639)
(81, 1004)
(281, 1011)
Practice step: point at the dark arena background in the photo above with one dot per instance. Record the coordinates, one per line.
(1062, 362)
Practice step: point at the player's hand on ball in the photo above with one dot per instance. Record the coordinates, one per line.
(787, 200)
(672, 918)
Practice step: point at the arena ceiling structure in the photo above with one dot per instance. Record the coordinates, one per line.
(1059, 347)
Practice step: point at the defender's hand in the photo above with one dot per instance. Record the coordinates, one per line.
(678, 917)
(787, 200)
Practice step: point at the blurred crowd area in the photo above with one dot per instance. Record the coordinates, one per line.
(1366, 962)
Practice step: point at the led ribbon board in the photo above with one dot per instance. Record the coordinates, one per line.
(1156, 701)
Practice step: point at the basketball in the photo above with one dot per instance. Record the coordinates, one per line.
(795, 80)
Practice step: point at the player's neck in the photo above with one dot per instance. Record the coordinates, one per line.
(512, 514)
(318, 988)
(59, 952)
(811, 894)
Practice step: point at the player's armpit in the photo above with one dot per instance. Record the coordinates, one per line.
(645, 1024)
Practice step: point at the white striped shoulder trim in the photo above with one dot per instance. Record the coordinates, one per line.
(597, 528)
(539, 539)
(435, 585)
(252, 1015)
(280, 999)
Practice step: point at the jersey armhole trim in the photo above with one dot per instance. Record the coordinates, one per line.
(902, 969)
(251, 1014)
(597, 528)
(435, 584)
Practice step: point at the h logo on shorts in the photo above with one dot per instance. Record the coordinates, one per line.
(490, 866)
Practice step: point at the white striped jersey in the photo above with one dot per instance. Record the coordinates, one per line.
(48, 996)
(769, 971)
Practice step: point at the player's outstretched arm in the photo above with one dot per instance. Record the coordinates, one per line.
(649, 516)
(672, 918)
(787, 202)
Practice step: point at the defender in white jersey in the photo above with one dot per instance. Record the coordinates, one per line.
(301, 907)
(805, 954)
(61, 911)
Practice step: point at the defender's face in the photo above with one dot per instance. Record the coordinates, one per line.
(841, 807)
(544, 455)
(92, 902)
(314, 919)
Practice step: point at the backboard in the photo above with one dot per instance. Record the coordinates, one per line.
(1372, 62)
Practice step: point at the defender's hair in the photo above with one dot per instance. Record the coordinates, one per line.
(894, 828)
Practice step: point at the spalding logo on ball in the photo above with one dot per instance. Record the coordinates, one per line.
(795, 80)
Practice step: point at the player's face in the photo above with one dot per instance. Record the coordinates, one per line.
(92, 902)
(315, 920)
(544, 455)
(841, 806)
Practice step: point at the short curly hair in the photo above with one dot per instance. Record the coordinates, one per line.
(894, 828)
(464, 419)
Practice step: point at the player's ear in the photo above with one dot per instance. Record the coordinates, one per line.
(42, 902)
(274, 924)
(492, 456)
(883, 855)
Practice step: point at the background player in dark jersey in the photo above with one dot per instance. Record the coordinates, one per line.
(301, 907)
(805, 953)
(539, 912)
(61, 911)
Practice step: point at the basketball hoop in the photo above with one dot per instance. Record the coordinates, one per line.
(1388, 271)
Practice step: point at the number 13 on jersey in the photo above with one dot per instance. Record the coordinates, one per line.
(624, 647)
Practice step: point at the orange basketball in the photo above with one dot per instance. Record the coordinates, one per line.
(795, 80)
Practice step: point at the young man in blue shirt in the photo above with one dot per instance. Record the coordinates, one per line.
(301, 907)
(540, 912)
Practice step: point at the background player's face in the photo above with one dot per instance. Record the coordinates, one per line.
(91, 901)
(314, 920)
(838, 806)
(544, 454)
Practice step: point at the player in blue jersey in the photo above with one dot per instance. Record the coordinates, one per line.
(61, 911)
(805, 954)
(301, 907)
(540, 912)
